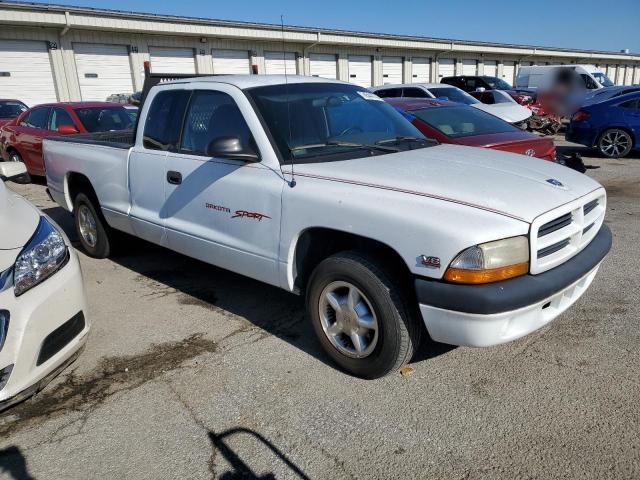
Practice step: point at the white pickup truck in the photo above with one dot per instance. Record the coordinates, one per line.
(321, 188)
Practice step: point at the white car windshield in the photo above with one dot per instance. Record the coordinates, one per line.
(602, 79)
(453, 94)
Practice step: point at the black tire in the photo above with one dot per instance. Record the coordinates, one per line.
(398, 327)
(614, 143)
(15, 157)
(104, 239)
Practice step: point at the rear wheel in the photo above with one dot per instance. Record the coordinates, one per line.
(360, 315)
(92, 229)
(615, 143)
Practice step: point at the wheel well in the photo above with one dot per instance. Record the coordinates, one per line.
(78, 183)
(316, 244)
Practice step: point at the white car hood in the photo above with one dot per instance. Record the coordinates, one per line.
(18, 222)
(505, 183)
(511, 112)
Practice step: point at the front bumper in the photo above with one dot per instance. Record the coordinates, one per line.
(485, 315)
(47, 327)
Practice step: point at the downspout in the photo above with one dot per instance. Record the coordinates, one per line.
(67, 21)
(305, 50)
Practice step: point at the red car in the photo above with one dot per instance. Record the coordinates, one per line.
(10, 109)
(21, 138)
(450, 122)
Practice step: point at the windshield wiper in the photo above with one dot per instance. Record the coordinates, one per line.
(401, 138)
(404, 138)
(344, 144)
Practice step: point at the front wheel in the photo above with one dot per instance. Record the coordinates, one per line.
(15, 157)
(91, 227)
(360, 315)
(615, 143)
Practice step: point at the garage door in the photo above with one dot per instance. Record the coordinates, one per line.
(275, 63)
(102, 70)
(636, 75)
(360, 70)
(172, 60)
(508, 72)
(469, 67)
(391, 70)
(628, 76)
(421, 70)
(446, 67)
(323, 65)
(491, 68)
(25, 72)
(231, 61)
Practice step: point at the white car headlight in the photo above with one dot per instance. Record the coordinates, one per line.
(490, 262)
(44, 255)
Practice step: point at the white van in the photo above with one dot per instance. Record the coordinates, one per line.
(545, 76)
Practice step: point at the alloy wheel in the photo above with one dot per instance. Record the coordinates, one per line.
(348, 319)
(87, 226)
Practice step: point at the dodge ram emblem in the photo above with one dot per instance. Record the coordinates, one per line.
(531, 152)
(555, 183)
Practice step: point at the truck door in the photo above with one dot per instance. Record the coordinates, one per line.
(223, 211)
(159, 134)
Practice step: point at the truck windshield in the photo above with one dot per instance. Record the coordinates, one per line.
(602, 79)
(104, 119)
(332, 121)
(497, 83)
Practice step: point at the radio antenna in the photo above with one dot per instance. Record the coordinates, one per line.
(292, 183)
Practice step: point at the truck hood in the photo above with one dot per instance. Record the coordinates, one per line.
(18, 221)
(511, 112)
(505, 183)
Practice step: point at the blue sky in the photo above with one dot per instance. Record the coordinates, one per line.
(588, 24)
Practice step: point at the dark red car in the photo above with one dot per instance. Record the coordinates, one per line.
(10, 109)
(450, 122)
(21, 138)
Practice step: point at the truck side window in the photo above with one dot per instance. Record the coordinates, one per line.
(212, 115)
(164, 120)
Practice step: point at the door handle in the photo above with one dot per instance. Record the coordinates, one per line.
(174, 178)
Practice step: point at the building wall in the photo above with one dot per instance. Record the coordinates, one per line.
(138, 35)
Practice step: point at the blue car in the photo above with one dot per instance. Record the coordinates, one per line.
(602, 94)
(612, 126)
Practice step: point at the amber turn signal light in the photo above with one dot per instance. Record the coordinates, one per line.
(459, 275)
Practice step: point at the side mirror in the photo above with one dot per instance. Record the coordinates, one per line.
(67, 130)
(231, 147)
(12, 171)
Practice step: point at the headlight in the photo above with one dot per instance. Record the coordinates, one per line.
(44, 255)
(490, 262)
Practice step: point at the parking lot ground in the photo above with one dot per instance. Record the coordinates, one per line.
(194, 372)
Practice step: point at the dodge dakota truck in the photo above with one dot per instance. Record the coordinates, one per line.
(321, 188)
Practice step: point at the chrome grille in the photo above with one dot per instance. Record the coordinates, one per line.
(558, 235)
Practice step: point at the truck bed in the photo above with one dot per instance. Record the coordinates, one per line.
(118, 139)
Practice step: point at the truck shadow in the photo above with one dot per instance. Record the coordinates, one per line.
(195, 283)
(240, 468)
(14, 464)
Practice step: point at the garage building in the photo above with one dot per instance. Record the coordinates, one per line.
(53, 52)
